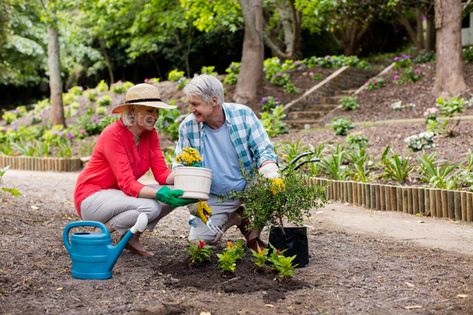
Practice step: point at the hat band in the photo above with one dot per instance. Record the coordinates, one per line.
(139, 100)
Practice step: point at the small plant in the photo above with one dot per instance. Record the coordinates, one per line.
(118, 88)
(233, 70)
(438, 174)
(448, 110)
(175, 75)
(273, 121)
(104, 101)
(333, 164)
(261, 257)
(102, 87)
(398, 106)
(422, 141)
(282, 264)
(349, 103)
(269, 103)
(189, 157)
(375, 83)
(210, 70)
(341, 126)
(227, 259)
(360, 163)
(396, 167)
(357, 140)
(199, 252)
(12, 191)
(3, 171)
(431, 115)
(152, 80)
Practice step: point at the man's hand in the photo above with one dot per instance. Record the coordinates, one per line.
(269, 170)
(171, 197)
(201, 210)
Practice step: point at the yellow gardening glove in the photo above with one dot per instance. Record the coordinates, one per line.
(203, 211)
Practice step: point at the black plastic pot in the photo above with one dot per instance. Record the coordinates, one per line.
(294, 240)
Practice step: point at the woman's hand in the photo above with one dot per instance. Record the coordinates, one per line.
(171, 197)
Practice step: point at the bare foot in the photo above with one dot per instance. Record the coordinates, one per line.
(135, 246)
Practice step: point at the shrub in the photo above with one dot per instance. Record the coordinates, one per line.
(168, 122)
(349, 103)
(375, 83)
(273, 121)
(233, 70)
(102, 87)
(422, 141)
(104, 101)
(199, 252)
(175, 75)
(210, 70)
(341, 126)
(270, 201)
(269, 103)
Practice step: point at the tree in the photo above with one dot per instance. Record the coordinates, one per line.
(449, 77)
(251, 68)
(54, 65)
(282, 31)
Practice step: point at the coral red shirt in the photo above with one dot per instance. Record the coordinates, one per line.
(116, 163)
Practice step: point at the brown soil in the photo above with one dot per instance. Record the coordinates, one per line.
(349, 272)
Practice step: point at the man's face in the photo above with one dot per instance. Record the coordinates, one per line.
(202, 110)
(146, 117)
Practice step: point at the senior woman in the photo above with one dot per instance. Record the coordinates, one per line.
(108, 190)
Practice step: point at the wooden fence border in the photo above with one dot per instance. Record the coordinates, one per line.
(41, 163)
(441, 203)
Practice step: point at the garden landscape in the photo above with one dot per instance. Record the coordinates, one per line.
(389, 129)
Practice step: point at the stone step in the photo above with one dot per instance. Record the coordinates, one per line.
(303, 123)
(313, 106)
(313, 114)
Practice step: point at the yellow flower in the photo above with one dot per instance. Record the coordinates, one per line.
(189, 157)
(277, 186)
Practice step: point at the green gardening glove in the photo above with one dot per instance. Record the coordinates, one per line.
(170, 196)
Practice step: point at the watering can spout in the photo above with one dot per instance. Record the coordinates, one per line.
(115, 251)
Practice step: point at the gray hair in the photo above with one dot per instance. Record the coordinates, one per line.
(128, 115)
(205, 86)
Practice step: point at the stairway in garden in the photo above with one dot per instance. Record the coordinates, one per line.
(308, 110)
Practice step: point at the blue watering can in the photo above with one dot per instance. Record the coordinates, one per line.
(93, 255)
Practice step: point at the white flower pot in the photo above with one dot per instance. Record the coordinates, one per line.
(194, 181)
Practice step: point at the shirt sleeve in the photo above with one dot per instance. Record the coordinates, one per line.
(182, 142)
(258, 141)
(116, 154)
(157, 162)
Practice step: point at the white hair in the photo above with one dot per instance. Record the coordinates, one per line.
(128, 115)
(205, 86)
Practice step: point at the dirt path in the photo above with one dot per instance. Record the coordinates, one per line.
(362, 262)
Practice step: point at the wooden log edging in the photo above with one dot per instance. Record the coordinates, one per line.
(440, 203)
(51, 164)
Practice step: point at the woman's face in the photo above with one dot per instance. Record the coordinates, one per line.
(146, 117)
(202, 110)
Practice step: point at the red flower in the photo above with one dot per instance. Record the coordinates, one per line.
(201, 244)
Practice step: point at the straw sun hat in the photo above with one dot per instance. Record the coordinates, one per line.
(142, 94)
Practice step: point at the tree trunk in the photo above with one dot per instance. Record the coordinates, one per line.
(108, 63)
(251, 68)
(449, 77)
(430, 45)
(55, 81)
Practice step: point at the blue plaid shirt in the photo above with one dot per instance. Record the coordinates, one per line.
(248, 136)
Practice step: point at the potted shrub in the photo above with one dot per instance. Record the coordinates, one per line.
(192, 178)
(271, 202)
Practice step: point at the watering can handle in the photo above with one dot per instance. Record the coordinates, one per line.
(72, 225)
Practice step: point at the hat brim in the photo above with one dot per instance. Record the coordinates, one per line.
(160, 105)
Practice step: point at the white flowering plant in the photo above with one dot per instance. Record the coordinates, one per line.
(424, 140)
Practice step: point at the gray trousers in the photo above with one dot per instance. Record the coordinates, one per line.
(221, 211)
(121, 210)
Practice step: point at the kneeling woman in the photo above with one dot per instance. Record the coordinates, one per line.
(108, 190)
